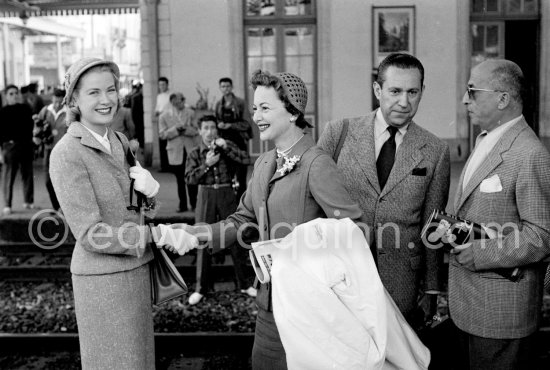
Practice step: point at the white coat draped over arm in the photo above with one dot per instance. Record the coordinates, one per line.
(330, 306)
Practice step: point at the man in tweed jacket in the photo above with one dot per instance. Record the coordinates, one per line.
(417, 184)
(506, 186)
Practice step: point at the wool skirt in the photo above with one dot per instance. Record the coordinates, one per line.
(115, 320)
(268, 352)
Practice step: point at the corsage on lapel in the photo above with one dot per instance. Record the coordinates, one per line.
(289, 164)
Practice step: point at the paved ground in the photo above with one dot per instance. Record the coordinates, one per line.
(167, 197)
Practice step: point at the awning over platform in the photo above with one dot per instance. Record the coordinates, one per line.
(36, 8)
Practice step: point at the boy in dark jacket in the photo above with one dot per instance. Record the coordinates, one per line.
(212, 166)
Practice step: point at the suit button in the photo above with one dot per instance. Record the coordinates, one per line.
(265, 227)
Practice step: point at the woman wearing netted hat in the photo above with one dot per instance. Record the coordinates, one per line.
(292, 184)
(91, 176)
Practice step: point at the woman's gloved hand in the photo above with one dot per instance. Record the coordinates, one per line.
(145, 183)
(176, 240)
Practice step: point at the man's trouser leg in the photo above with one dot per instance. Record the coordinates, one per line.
(205, 213)
(27, 175)
(11, 164)
(227, 204)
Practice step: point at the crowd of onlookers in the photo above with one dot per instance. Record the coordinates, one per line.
(33, 123)
(207, 150)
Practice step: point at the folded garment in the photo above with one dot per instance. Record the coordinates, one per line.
(330, 306)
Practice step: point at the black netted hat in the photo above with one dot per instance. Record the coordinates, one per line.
(295, 90)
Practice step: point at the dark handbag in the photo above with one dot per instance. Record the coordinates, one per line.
(166, 281)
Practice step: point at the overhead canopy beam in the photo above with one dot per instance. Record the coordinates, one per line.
(43, 26)
(37, 8)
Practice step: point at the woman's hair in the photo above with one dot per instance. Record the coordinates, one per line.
(264, 78)
(73, 112)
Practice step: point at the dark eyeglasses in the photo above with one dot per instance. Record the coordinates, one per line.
(472, 90)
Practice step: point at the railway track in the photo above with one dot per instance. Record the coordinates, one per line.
(23, 261)
(172, 350)
(172, 347)
(192, 343)
(29, 255)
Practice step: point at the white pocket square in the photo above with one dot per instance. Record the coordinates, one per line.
(491, 185)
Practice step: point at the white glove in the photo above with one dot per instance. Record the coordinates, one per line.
(177, 240)
(145, 183)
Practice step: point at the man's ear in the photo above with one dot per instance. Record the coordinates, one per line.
(503, 100)
(377, 89)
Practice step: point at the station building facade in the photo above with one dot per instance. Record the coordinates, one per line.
(335, 46)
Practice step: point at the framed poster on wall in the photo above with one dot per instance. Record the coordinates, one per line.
(393, 31)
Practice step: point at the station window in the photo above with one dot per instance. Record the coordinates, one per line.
(280, 35)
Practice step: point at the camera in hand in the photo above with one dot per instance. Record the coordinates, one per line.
(216, 149)
(443, 230)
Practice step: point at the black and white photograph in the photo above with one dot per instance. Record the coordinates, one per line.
(275, 184)
(393, 31)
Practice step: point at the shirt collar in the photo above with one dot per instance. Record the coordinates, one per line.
(203, 146)
(493, 136)
(497, 131)
(103, 140)
(58, 113)
(380, 125)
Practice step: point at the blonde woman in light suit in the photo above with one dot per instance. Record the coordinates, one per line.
(110, 271)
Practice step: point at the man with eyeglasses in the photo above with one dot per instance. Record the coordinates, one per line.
(505, 185)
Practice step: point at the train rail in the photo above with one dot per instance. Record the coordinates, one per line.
(201, 350)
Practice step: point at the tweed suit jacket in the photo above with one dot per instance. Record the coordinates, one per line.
(93, 188)
(482, 302)
(276, 203)
(418, 183)
(169, 123)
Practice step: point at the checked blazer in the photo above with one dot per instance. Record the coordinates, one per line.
(481, 302)
(418, 183)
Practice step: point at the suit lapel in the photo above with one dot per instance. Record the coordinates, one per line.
(117, 150)
(491, 162)
(408, 155)
(268, 169)
(87, 139)
(361, 136)
(458, 194)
